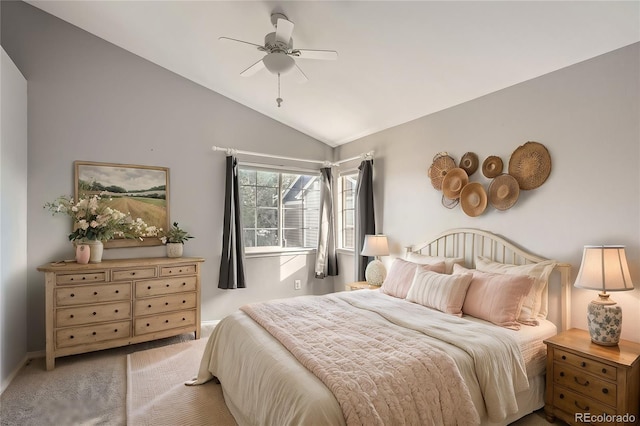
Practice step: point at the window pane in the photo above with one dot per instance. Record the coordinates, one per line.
(267, 237)
(247, 177)
(349, 200)
(290, 181)
(267, 197)
(292, 218)
(269, 179)
(248, 217)
(267, 218)
(248, 195)
(347, 238)
(249, 236)
(311, 238)
(293, 238)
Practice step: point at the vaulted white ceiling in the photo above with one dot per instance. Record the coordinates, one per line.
(397, 60)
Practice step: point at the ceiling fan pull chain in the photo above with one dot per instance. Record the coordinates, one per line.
(279, 99)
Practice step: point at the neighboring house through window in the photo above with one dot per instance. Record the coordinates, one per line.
(348, 183)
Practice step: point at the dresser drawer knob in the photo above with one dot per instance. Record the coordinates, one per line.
(115, 331)
(604, 371)
(84, 278)
(147, 324)
(95, 293)
(605, 391)
(133, 273)
(586, 383)
(73, 295)
(184, 319)
(167, 285)
(117, 291)
(562, 374)
(94, 313)
(583, 364)
(564, 357)
(184, 301)
(561, 396)
(585, 408)
(116, 311)
(166, 321)
(166, 303)
(71, 316)
(71, 337)
(184, 284)
(180, 270)
(148, 287)
(148, 306)
(94, 333)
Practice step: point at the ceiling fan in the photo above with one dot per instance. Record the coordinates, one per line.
(280, 54)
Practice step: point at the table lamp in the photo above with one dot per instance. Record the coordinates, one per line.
(604, 268)
(375, 245)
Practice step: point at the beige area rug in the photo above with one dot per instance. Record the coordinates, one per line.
(157, 395)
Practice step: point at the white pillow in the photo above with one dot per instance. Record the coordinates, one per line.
(443, 292)
(534, 305)
(422, 259)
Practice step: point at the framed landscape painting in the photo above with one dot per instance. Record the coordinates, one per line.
(142, 191)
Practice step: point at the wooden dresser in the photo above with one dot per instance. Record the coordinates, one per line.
(119, 302)
(586, 379)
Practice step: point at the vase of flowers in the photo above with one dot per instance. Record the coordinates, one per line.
(175, 238)
(95, 222)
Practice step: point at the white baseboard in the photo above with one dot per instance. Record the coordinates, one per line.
(14, 373)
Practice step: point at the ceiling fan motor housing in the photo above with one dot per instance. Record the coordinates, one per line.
(271, 44)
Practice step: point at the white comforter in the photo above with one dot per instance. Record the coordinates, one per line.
(487, 358)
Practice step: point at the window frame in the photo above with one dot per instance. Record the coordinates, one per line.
(341, 208)
(275, 250)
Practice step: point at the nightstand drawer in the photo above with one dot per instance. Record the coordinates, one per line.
(573, 402)
(594, 367)
(584, 383)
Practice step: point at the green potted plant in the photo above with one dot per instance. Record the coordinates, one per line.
(175, 238)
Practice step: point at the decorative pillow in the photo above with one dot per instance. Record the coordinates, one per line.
(439, 291)
(535, 304)
(400, 277)
(495, 297)
(422, 259)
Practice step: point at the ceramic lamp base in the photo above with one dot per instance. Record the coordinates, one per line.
(605, 323)
(375, 273)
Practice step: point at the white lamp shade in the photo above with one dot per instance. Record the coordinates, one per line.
(604, 268)
(375, 245)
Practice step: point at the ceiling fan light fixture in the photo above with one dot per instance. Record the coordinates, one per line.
(278, 62)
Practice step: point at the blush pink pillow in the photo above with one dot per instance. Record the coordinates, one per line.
(495, 297)
(443, 292)
(400, 277)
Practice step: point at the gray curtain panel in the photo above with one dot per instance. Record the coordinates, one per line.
(232, 259)
(326, 258)
(365, 216)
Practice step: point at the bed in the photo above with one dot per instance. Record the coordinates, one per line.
(402, 354)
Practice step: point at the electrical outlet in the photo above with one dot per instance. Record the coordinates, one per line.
(297, 285)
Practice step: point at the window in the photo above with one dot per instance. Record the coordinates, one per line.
(348, 183)
(279, 209)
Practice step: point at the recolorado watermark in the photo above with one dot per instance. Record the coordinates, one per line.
(604, 418)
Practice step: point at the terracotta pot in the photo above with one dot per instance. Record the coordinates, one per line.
(83, 253)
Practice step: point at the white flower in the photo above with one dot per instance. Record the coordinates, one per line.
(94, 224)
(82, 224)
(73, 209)
(164, 240)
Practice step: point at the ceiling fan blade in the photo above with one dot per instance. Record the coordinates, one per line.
(225, 39)
(327, 55)
(253, 69)
(284, 29)
(298, 74)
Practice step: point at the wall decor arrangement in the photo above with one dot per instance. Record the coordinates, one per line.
(141, 191)
(528, 168)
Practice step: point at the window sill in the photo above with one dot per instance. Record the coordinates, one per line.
(279, 252)
(349, 252)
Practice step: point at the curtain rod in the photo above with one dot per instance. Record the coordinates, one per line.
(231, 151)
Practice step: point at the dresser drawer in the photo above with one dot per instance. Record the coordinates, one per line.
(170, 271)
(162, 322)
(131, 274)
(66, 317)
(93, 333)
(92, 294)
(594, 367)
(573, 402)
(165, 286)
(93, 277)
(584, 383)
(172, 302)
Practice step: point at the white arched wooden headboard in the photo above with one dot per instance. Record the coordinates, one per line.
(468, 243)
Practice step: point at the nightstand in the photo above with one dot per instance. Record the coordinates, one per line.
(360, 285)
(586, 380)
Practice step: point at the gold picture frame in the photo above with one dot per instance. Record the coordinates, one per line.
(138, 190)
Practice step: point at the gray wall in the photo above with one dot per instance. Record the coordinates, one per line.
(13, 223)
(90, 100)
(587, 117)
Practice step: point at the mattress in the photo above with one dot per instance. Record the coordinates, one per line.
(263, 383)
